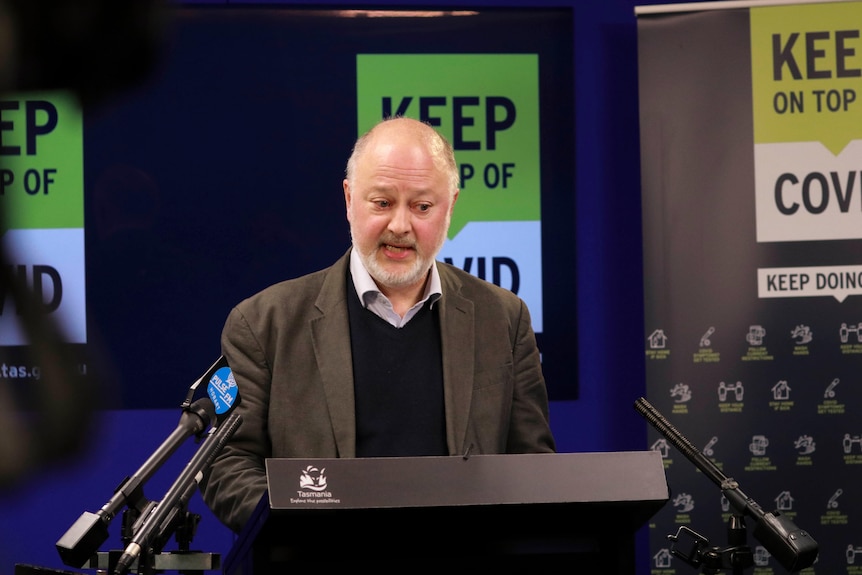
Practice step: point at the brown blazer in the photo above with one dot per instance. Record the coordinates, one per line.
(289, 349)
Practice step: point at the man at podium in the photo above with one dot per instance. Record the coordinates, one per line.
(387, 352)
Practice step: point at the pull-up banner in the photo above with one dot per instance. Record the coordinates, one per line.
(751, 160)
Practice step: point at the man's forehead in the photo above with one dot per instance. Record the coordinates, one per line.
(398, 159)
(415, 182)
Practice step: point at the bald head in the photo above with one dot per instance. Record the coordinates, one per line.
(403, 132)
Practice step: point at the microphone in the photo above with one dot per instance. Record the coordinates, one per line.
(793, 547)
(157, 525)
(87, 534)
(223, 395)
(222, 389)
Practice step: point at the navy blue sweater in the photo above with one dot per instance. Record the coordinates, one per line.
(398, 383)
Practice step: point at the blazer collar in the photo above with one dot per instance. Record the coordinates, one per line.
(330, 333)
(457, 329)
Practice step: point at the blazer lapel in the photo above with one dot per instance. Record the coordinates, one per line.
(331, 336)
(457, 334)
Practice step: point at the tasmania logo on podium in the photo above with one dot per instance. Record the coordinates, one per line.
(487, 106)
(42, 203)
(313, 479)
(313, 489)
(807, 111)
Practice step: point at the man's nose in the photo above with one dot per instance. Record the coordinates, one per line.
(400, 222)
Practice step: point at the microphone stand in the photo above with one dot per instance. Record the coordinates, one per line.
(794, 548)
(167, 515)
(81, 541)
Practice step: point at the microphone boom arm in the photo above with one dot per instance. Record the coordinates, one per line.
(793, 547)
(156, 525)
(90, 530)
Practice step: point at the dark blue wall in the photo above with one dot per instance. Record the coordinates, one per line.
(608, 359)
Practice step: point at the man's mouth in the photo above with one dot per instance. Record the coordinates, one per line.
(397, 252)
(394, 248)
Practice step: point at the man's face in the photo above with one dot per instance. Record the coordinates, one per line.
(399, 209)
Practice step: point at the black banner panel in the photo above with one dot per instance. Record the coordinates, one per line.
(751, 142)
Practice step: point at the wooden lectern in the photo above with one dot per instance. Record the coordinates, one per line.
(497, 511)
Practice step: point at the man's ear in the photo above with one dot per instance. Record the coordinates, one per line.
(347, 196)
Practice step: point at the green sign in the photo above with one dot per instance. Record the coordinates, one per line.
(486, 105)
(41, 162)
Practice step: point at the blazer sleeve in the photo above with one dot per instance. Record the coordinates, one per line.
(236, 480)
(529, 427)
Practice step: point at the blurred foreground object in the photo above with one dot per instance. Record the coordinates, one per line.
(49, 416)
(94, 49)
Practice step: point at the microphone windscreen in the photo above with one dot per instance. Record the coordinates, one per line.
(223, 391)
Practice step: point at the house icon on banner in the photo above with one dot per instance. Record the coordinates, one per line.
(781, 390)
(662, 559)
(784, 501)
(657, 339)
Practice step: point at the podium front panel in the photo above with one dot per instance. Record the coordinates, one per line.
(499, 509)
(478, 480)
